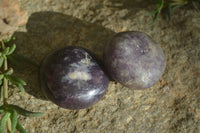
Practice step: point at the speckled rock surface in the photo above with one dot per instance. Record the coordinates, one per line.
(172, 105)
(11, 16)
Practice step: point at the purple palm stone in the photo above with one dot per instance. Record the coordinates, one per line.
(72, 79)
(134, 60)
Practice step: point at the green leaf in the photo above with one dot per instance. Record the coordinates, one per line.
(6, 40)
(12, 49)
(13, 118)
(15, 79)
(20, 128)
(24, 112)
(9, 39)
(9, 71)
(1, 110)
(1, 76)
(19, 86)
(3, 122)
(6, 51)
(22, 82)
(1, 61)
(4, 57)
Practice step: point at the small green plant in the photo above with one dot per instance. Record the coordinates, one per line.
(9, 112)
(170, 5)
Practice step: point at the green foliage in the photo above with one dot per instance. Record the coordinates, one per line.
(12, 49)
(20, 128)
(156, 12)
(24, 112)
(10, 111)
(170, 5)
(1, 76)
(9, 39)
(7, 51)
(13, 118)
(16, 81)
(3, 122)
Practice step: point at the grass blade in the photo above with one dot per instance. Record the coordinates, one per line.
(3, 122)
(152, 13)
(157, 11)
(175, 7)
(155, 18)
(20, 128)
(13, 118)
(169, 12)
(24, 112)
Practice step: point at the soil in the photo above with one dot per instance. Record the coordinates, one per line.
(171, 105)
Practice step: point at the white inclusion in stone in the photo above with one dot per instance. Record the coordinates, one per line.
(79, 75)
(146, 77)
(86, 61)
(66, 58)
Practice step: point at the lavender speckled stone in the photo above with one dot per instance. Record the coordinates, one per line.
(72, 79)
(134, 59)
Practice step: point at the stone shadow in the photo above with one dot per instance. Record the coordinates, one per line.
(48, 31)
